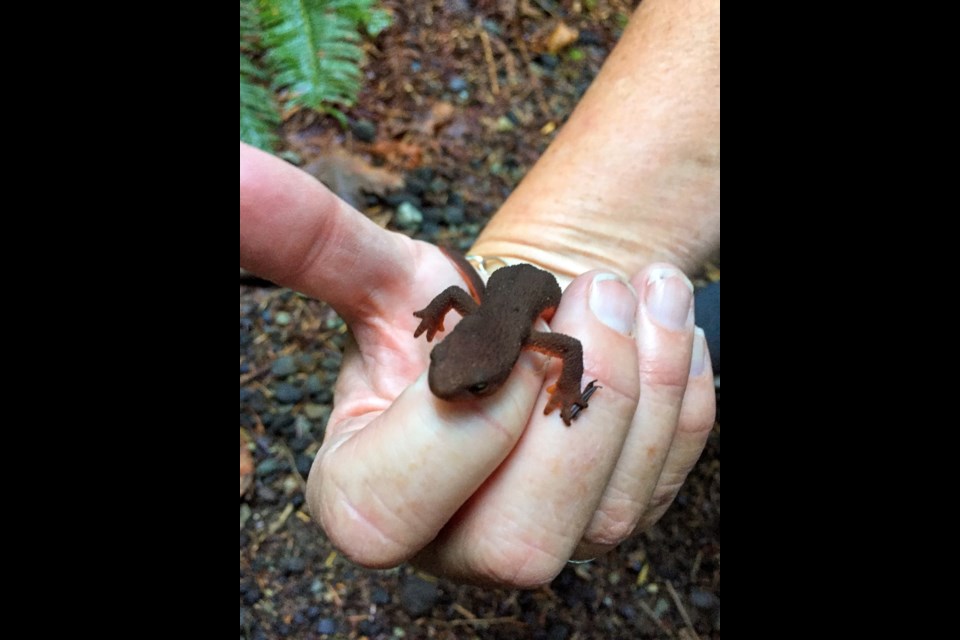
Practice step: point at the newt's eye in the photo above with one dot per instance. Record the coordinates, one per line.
(478, 388)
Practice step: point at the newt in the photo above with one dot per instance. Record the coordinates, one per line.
(477, 357)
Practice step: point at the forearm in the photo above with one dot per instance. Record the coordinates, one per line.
(634, 175)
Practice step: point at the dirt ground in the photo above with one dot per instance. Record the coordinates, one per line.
(460, 99)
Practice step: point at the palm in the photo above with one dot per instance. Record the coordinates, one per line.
(384, 358)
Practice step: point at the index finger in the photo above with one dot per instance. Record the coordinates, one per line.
(297, 233)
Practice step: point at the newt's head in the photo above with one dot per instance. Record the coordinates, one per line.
(468, 364)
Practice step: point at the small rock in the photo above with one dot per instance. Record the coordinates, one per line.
(252, 596)
(257, 402)
(430, 230)
(332, 363)
(327, 626)
(492, 27)
(396, 198)
(589, 38)
(268, 466)
(266, 495)
(364, 130)
(432, 215)
(313, 612)
(369, 628)
(504, 124)
(306, 362)
(702, 599)
(302, 425)
(315, 411)
(294, 564)
(558, 632)
(457, 84)
(416, 186)
(313, 384)
(283, 366)
(439, 185)
(661, 607)
(453, 215)
(282, 318)
(304, 463)
(417, 596)
(425, 174)
(285, 393)
(408, 216)
(299, 444)
(280, 423)
(297, 500)
(379, 595)
(548, 60)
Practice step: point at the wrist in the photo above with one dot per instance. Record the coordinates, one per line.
(569, 235)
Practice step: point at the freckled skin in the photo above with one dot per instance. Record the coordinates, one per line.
(479, 354)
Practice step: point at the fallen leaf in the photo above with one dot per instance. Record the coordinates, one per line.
(246, 467)
(381, 219)
(440, 114)
(396, 152)
(561, 37)
(508, 8)
(350, 176)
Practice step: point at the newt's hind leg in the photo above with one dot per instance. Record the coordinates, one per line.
(565, 393)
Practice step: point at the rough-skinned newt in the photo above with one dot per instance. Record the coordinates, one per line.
(479, 354)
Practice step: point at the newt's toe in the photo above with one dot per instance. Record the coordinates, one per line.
(570, 403)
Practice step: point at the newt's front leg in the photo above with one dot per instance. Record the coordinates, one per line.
(431, 317)
(565, 393)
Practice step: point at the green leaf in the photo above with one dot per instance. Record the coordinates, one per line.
(313, 49)
(379, 20)
(259, 119)
(311, 52)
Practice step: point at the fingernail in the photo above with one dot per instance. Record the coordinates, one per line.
(669, 298)
(699, 356)
(613, 302)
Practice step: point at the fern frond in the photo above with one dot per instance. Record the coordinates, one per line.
(313, 49)
(249, 26)
(363, 13)
(259, 118)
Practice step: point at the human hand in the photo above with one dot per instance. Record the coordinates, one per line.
(489, 490)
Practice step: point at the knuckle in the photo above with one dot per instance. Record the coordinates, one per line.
(520, 566)
(614, 524)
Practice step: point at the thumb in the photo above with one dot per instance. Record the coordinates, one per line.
(297, 233)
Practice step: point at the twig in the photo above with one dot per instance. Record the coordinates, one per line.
(657, 621)
(549, 10)
(247, 378)
(488, 56)
(683, 611)
(462, 610)
(509, 60)
(696, 566)
(485, 621)
(534, 80)
(288, 454)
